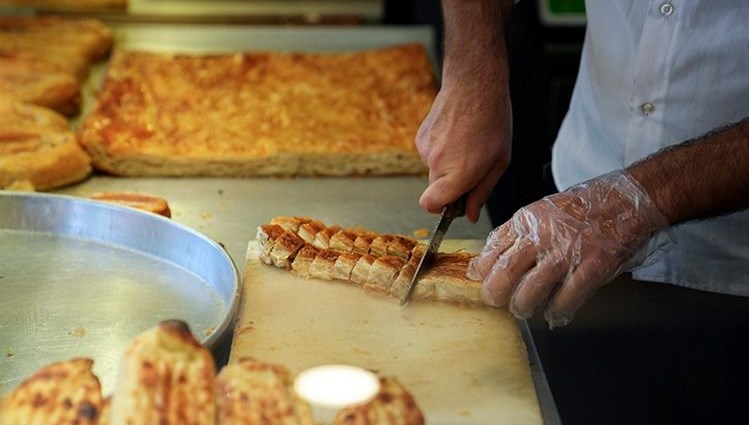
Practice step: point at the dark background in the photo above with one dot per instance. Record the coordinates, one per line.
(638, 353)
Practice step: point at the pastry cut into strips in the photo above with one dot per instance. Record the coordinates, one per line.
(385, 267)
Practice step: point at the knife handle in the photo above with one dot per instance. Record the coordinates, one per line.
(456, 208)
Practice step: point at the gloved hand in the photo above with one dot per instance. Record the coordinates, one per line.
(557, 251)
(465, 140)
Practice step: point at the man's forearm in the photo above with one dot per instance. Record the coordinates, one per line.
(474, 46)
(701, 178)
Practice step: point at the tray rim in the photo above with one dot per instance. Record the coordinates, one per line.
(229, 315)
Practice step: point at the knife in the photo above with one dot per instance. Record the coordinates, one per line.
(449, 212)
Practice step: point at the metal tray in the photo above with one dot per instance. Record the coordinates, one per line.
(82, 278)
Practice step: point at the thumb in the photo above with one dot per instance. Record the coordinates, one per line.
(441, 191)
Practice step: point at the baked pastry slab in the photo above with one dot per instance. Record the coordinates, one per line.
(259, 114)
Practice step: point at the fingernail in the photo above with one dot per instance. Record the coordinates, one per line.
(472, 271)
(556, 319)
(518, 314)
(490, 297)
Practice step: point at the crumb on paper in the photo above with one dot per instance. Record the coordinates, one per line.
(77, 332)
(464, 413)
(420, 233)
(208, 331)
(206, 216)
(220, 191)
(9, 353)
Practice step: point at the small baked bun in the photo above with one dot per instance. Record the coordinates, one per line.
(63, 393)
(166, 377)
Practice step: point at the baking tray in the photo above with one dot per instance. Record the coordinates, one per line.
(82, 278)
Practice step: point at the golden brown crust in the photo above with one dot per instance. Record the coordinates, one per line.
(290, 223)
(363, 241)
(36, 146)
(166, 377)
(261, 113)
(64, 393)
(344, 264)
(285, 248)
(393, 405)
(323, 264)
(360, 272)
(141, 201)
(304, 259)
(56, 90)
(382, 273)
(55, 44)
(309, 230)
(250, 392)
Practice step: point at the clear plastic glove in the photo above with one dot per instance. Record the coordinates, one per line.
(465, 140)
(556, 252)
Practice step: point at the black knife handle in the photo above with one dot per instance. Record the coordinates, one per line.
(456, 208)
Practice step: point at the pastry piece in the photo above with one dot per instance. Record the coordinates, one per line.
(448, 276)
(304, 259)
(343, 240)
(363, 241)
(285, 248)
(24, 78)
(309, 230)
(249, 392)
(61, 393)
(360, 272)
(322, 238)
(323, 264)
(393, 405)
(382, 273)
(401, 246)
(37, 146)
(379, 245)
(63, 45)
(140, 201)
(290, 223)
(266, 237)
(351, 113)
(166, 377)
(424, 290)
(344, 264)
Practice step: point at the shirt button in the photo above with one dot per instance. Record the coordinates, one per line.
(667, 9)
(647, 108)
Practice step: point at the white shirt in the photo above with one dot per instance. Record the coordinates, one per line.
(654, 74)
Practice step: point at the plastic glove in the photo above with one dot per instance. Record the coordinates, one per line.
(465, 140)
(557, 251)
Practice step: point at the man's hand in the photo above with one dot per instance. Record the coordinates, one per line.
(466, 137)
(557, 251)
(465, 140)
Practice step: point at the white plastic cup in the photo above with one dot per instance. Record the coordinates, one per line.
(330, 388)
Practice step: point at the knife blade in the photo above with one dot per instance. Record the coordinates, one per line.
(449, 213)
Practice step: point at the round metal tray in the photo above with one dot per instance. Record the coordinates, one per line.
(82, 278)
